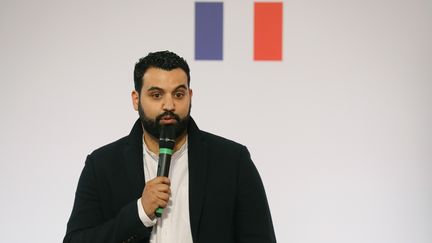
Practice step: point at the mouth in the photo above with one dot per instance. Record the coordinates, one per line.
(167, 120)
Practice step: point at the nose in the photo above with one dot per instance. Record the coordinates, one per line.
(168, 104)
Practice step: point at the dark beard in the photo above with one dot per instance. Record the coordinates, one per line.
(153, 127)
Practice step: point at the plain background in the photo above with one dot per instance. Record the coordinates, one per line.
(340, 130)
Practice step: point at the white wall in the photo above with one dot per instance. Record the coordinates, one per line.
(340, 130)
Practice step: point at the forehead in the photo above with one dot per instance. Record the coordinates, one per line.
(156, 77)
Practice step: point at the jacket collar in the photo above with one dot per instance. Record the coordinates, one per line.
(133, 154)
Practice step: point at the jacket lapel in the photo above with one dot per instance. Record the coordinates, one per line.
(197, 151)
(133, 160)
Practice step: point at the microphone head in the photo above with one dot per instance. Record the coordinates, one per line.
(167, 137)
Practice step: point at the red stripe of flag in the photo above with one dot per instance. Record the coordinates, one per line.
(268, 31)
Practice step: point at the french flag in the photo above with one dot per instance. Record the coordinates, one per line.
(268, 20)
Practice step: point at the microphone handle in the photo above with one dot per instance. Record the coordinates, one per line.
(164, 164)
(163, 170)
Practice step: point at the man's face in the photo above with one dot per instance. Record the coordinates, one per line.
(165, 99)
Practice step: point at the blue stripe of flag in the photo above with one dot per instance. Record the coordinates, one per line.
(208, 30)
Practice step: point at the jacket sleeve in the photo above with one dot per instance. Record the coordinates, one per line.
(253, 220)
(87, 224)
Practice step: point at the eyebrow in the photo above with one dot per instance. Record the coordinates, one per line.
(154, 88)
(181, 86)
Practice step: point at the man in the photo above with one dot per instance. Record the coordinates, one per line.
(213, 193)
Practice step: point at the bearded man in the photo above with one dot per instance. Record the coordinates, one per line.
(213, 192)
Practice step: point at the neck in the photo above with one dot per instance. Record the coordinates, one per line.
(153, 143)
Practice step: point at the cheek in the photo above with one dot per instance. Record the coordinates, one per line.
(151, 110)
(183, 108)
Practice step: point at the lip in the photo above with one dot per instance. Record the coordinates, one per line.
(168, 120)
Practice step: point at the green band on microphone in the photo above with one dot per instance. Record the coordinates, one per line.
(159, 212)
(165, 151)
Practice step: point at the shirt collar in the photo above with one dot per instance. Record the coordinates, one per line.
(177, 154)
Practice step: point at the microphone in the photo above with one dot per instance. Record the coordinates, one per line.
(166, 146)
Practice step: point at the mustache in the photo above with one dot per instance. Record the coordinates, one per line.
(168, 113)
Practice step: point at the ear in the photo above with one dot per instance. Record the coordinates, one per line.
(190, 92)
(135, 99)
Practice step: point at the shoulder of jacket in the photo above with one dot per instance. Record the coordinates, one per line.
(111, 148)
(215, 140)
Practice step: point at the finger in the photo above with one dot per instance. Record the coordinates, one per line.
(161, 188)
(161, 203)
(163, 196)
(163, 180)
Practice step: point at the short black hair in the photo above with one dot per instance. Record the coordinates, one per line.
(165, 60)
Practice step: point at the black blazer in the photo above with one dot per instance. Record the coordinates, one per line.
(227, 201)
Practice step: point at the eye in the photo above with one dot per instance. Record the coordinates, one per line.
(156, 95)
(179, 95)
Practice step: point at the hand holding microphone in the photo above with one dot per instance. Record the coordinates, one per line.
(156, 194)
